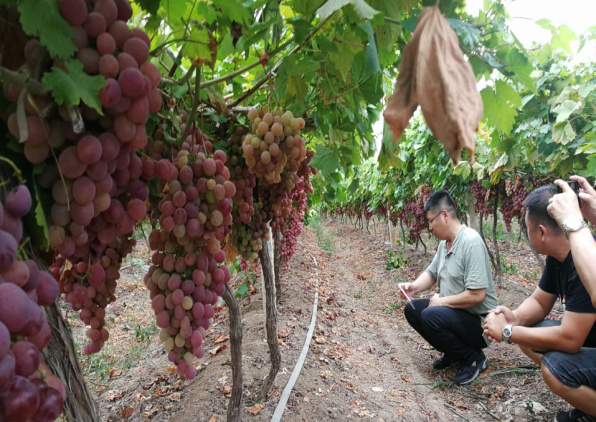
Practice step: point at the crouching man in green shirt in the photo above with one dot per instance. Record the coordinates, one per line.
(451, 321)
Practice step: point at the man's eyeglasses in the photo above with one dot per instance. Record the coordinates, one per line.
(435, 217)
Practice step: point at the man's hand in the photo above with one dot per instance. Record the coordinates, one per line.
(409, 288)
(564, 205)
(509, 315)
(587, 195)
(493, 326)
(435, 300)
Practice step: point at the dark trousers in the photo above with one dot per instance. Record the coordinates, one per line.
(455, 332)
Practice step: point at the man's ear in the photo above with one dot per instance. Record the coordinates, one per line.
(543, 230)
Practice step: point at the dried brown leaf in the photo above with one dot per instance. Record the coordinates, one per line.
(127, 412)
(218, 349)
(256, 409)
(221, 338)
(435, 74)
(174, 397)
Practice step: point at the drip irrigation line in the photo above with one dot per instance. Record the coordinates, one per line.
(283, 400)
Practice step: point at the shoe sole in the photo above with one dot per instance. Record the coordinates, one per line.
(483, 367)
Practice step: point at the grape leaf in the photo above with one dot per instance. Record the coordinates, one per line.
(500, 106)
(564, 110)
(234, 10)
(75, 86)
(305, 7)
(197, 45)
(151, 6)
(362, 9)
(325, 160)
(521, 66)
(469, 35)
(591, 169)
(42, 18)
(563, 133)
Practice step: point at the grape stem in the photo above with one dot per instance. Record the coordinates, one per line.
(195, 104)
(179, 56)
(20, 79)
(17, 172)
(255, 88)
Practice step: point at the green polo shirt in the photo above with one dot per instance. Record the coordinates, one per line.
(465, 266)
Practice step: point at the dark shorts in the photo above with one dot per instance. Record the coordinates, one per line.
(573, 370)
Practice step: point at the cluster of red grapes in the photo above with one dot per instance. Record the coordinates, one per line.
(248, 239)
(485, 199)
(188, 274)
(28, 390)
(240, 175)
(273, 142)
(250, 220)
(512, 201)
(292, 227)
(90, 163)
(413, 213)
(101, 193)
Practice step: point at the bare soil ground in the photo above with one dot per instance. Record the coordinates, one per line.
(364, 362)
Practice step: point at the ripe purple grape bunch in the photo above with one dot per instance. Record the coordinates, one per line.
(28, 390)
(188, 274)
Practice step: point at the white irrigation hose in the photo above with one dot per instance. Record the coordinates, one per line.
(283, 400)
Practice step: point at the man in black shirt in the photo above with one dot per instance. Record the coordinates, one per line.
(564, 350)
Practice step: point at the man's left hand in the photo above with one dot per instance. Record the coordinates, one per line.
(493, 326)
(435, 300)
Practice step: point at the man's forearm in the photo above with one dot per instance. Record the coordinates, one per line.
(463, 300)
(530, 313)
(583, 251)
(544, 339)
(423, 282)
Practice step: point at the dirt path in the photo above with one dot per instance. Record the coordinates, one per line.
(364, 363)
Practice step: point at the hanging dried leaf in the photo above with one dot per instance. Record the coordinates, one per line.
(435, 75)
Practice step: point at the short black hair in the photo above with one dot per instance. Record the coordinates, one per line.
(536, 204)
(440, 199)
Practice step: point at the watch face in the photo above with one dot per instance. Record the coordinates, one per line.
(572, 224)
(506, 332)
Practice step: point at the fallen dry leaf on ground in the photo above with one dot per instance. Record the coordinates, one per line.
(174, 397)
(127, 412)
(218, 349)
(256, 409)
(320, 340)
(115, 373)
(221, 338)
(114, 395)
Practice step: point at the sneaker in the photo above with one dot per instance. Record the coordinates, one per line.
(574, 416)
(443, 362)
(469, 372)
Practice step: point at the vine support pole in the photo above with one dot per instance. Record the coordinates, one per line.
(62, 359)
(495, 242)
(277, 262)
(235, 404)
(391, 228)
(472, 221)
(267, 266)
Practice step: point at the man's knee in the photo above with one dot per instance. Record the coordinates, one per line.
(409, 311)
(434, 317)
(554, 384)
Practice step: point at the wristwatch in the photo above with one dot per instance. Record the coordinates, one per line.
(507, 331)
(573, 224)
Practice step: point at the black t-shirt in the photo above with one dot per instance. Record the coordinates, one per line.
(561, 279)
